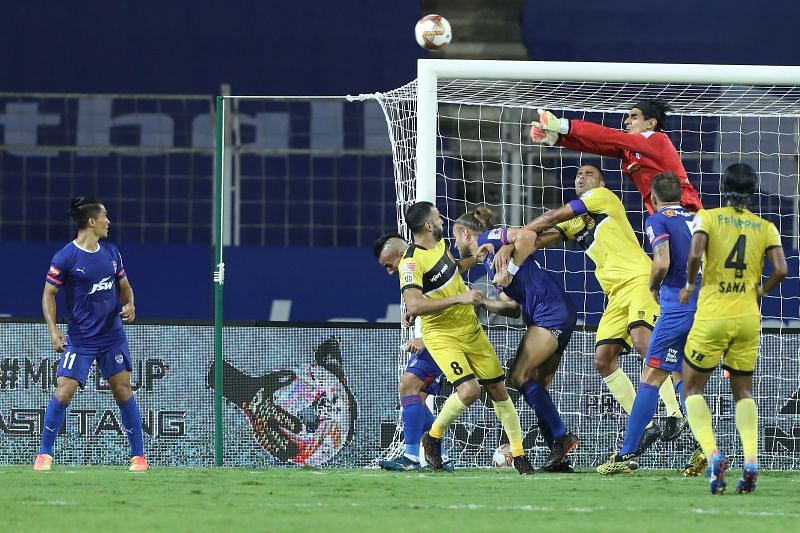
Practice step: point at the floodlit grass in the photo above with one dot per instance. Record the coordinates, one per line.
(177, 499)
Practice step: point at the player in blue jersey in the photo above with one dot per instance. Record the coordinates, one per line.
(422, 376)
(99, 299)
(547, 311)
(669, 231)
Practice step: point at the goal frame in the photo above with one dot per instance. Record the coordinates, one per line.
(430, 71)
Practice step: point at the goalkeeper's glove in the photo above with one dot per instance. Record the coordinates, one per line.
(550, 122)
(541, 135)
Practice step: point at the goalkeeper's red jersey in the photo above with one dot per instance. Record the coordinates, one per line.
(643, 156)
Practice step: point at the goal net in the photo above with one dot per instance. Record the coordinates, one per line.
(460, 136)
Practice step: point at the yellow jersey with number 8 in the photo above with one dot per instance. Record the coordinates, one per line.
(733, 261)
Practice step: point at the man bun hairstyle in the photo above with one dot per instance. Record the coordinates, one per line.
(478, 220)
(417, 215)
(656, 108)
(667, 187)
(739, 184)
(377, 248)
(82, 208)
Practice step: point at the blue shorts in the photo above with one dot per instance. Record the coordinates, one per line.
(667, 343)
(422, 365)
(562, 333)
(76, 362)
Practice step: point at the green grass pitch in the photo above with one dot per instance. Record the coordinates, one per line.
(360, 500)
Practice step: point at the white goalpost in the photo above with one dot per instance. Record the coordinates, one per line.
(459, 137)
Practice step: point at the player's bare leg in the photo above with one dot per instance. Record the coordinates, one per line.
(536, 347)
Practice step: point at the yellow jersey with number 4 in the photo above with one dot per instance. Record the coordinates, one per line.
(733, 261)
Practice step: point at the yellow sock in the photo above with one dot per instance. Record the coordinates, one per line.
(667, 393)
(700, 421)
(509, 419)
(621, 388)
(450, 410)
(747, 424)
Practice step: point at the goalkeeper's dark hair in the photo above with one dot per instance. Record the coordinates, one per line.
(479, 220)
(656, 108)
(739, 185)
(379, 245)
(82, 208)
(417, 215)
(667, 187)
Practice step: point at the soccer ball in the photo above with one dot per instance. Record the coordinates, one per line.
(502, 457)
(433, 32)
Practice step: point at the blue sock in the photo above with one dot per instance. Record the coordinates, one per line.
(544, 429)
(539, 398)
(429, 418)
(644, 407)
(132, 422)
(53, 420)
(679, 388)
(413, 422)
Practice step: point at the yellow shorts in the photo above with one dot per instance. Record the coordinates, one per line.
(734, 338)
(464, 356)
(629, 307)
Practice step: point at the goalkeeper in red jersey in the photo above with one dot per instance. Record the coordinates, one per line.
(644, 149)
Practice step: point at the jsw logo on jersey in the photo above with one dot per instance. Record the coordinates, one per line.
(103, 285)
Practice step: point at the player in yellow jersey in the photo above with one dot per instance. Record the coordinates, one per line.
(733, 242)
(597, 222)
(431, 283)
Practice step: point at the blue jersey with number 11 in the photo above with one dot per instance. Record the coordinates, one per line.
(89, 279)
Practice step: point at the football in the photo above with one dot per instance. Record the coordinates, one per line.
(502, 457)
(433, 32)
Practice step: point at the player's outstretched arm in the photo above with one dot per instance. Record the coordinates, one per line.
(503, 306)
(583, 136)
(128, 312)
(660, 267)
(49, 312)
(538, 225)
(779, 270)
(543, 239)
(699, 243)
(418, 305)
(601, 140)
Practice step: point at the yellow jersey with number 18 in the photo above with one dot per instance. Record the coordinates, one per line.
(733, 261)
(435, 273)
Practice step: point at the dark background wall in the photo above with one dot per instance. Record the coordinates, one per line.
(191, 46)
(293, 48)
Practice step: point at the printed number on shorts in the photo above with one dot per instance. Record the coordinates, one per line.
(457, 370)
(69, 360)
